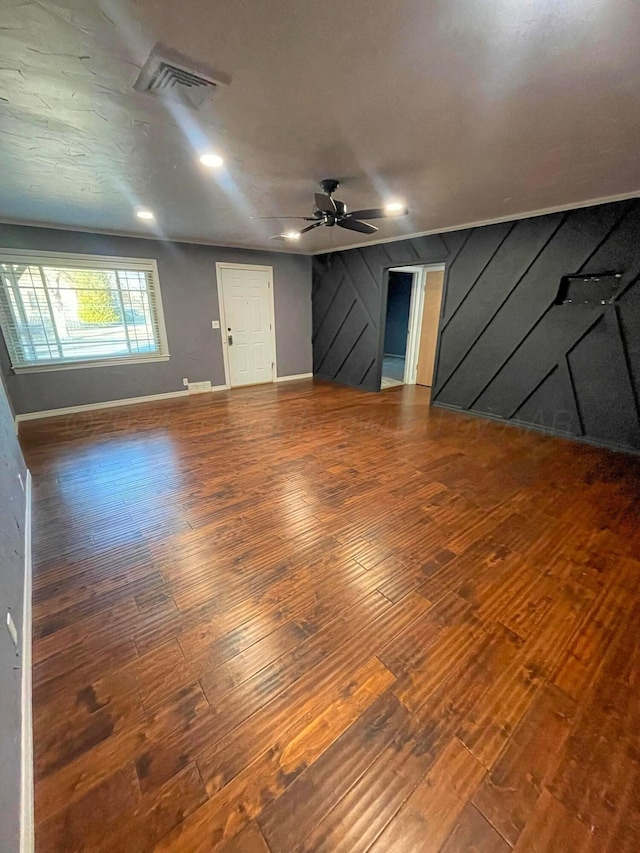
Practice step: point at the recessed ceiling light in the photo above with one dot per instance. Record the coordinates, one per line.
(145, 214)
(394, 207)
(291, 235)
(211, 160)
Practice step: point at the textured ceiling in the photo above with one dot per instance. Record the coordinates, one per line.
(466, 110)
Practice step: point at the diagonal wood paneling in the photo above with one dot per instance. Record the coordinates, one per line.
(552, 405)
(505, 350)
(544, 347)
(559, 328)
(479, 247)
(517, 309)
(511, 260)
(603, 385)
(349, 296)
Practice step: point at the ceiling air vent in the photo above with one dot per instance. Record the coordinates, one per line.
(168, 74)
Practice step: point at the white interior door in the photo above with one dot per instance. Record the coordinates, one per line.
(248, 331)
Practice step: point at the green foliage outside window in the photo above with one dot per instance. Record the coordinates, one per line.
(95, 297)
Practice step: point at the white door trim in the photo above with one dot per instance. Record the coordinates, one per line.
(415, 322)
(27, 827)
(221, 265)
(416, 309)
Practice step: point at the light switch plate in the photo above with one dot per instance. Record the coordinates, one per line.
(215, 324)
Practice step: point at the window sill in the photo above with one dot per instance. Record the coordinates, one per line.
(74, 365)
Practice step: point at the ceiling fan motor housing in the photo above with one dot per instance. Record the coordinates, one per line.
(329, 185)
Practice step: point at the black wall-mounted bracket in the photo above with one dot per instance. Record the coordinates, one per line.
(599, 289)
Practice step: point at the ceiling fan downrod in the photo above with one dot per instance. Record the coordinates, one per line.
(329, 185)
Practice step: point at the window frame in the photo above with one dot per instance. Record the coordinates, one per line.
(73, 260)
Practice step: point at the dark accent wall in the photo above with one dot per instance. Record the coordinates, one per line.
(349, 299)
(190, 300)
(12, 564)
(505, 349)
(397, 319)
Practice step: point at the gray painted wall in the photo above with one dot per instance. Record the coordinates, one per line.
(12, 546)
(190, 302)
(505, 350)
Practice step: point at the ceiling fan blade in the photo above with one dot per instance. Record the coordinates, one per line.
(302, 231)
(305, 218)
(370, 213)
(354, 225)
(325, 203)
(310, 227)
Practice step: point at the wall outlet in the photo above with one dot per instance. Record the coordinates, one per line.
(199, 387)
(215, 324)
(11, 627)
(185, 382)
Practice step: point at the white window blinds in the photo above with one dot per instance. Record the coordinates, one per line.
(59, 310)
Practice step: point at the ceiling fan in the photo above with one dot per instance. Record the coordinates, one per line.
(329, 211)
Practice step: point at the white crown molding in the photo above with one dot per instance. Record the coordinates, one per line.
(559, 208)
(512, 217)
(158, 238)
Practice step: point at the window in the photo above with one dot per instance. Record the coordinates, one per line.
(59, 311)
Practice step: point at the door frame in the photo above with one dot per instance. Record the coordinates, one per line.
(416, 310)
(221, 265)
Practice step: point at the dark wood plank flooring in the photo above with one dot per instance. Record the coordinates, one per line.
(303, 618)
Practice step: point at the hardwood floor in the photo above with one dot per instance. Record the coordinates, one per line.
(303, 618)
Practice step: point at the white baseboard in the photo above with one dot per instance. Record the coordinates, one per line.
(88, 407)
(27, 833)
(296, 376)
(108, 404)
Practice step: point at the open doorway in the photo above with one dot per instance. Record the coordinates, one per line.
(396, 330)
(414, 299)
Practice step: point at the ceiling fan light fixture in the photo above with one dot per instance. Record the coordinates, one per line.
(213, 161)
(328, 211)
